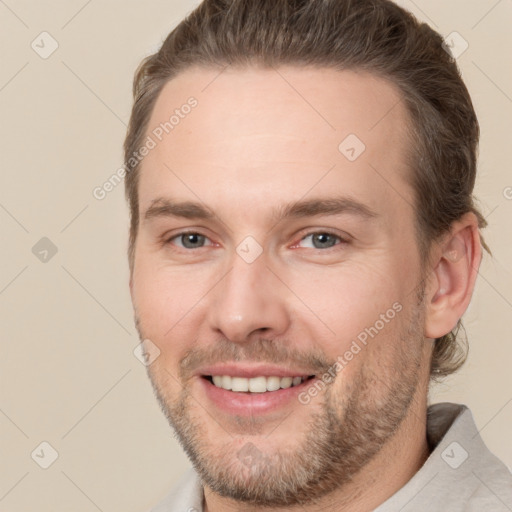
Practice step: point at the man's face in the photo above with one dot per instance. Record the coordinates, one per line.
(297, 261)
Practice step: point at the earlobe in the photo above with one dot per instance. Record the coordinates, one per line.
(452, 279)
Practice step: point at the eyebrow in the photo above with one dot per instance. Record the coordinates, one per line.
(165, 207)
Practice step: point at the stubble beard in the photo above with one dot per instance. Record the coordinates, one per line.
(336, 443)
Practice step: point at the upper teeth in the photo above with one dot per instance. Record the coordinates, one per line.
(255, 384)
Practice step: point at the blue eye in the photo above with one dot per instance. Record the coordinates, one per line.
(323, 240)
(189, 240)
(317, 240)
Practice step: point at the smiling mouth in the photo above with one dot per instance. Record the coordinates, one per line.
(260, 384)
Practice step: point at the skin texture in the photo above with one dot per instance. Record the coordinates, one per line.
(260, 139)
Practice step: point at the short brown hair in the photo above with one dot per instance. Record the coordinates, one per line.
(376, 36)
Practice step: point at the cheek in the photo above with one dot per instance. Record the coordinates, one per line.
(346, 301)
(364, 307)
(172, 305)
(164, 301)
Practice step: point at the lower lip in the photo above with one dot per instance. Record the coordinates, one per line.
(250, 404)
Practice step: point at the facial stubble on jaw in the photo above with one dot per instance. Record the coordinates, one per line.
(337, 442)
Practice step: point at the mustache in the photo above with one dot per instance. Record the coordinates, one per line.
(262, 350)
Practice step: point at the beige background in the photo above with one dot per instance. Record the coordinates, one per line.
(68, 373)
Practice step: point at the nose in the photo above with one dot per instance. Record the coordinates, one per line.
(249, 301)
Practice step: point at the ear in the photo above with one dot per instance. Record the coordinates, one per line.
(452, 279)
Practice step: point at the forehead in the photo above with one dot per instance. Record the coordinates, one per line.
(255, 133)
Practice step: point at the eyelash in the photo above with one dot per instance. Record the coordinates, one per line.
(341, 240)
